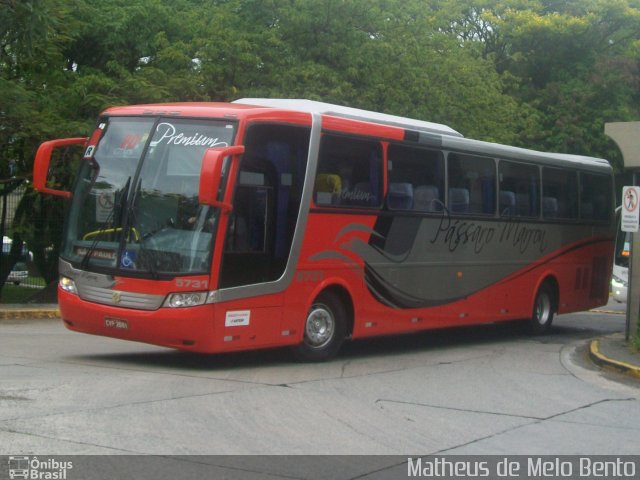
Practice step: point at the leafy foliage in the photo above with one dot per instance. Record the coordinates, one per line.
(545, 74)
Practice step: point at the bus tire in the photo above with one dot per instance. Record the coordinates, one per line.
(325, 329)
(543, 310)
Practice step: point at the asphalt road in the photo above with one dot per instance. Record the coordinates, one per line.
(481, 390)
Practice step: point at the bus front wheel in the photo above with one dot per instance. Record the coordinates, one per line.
(543, 311)
(325, 329)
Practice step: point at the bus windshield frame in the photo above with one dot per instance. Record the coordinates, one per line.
(135, 209)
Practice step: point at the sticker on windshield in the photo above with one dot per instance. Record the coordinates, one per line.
(104, 205)
(128, 259)
(88, 153)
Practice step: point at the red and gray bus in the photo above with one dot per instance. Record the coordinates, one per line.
(217, 227)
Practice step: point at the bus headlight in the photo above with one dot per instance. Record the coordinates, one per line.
(68, 285)
(186, 299)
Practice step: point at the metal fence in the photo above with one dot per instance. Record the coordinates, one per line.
(24, 273)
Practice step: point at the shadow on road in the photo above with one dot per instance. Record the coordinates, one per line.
(388, 346)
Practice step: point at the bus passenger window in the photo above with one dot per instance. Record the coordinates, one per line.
(519, 189)
(349, 173)
(426, 198)
(266, 204)
(559, 193)
(595, 197)
(327, 189)
(507, 203)
(459, 200)
(472, 184)
(400, 196)
(416, 179)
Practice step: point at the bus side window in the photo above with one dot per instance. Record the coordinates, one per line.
(519, 189)
(477, 176)
(426, 198)
(416, 179)
(354, 167)
(265, 205)
(559, 193)
(595, 197)
(328, 187)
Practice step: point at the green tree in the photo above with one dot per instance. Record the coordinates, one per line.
(574, 63)
(544, 74)
(29, 43)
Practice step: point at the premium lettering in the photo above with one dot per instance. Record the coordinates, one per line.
(170, 136)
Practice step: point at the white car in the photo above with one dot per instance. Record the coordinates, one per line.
(19, 273)
(619, 283)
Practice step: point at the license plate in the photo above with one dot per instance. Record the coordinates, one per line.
(117, 323)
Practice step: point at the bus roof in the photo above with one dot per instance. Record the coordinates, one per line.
(444, 137)
(478, 147)
(312, 106)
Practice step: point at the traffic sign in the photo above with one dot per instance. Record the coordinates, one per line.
(630, 217)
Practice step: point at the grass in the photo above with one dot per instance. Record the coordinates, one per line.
(11, 293)
(15, 293)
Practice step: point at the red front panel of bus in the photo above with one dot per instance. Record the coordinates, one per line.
(230, 326)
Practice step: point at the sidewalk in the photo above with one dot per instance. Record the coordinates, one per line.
(613, 352)
(19, 311)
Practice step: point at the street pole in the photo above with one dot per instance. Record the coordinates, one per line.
(627, 137)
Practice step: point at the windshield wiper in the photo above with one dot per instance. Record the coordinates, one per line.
(119, 207)
(132, 221)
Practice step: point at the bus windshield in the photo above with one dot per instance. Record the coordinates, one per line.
(135, 202)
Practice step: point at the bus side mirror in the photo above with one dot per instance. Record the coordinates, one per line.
(43, 159)
(211, 176)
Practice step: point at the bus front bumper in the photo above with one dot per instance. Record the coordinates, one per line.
(189, 328)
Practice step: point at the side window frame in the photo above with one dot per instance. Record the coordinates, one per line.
(519, 193)
(416, 179)
(598, 208)
(560, 200)
(471, 191)
(261, 227)
(350, 172)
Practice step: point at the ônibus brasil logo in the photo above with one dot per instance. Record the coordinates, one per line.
(35, 469)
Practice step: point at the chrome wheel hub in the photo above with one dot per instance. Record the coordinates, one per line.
(543, 309)
(319, 327)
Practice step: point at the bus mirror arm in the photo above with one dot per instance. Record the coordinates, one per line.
(43, 159)
(211, 176)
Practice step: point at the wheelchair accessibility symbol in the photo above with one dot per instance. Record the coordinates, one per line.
(128, 259)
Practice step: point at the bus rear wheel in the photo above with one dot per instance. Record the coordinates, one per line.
(543, 311)
(325, 329)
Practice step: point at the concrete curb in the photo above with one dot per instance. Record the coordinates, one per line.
(602, 360)
(31, 313)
